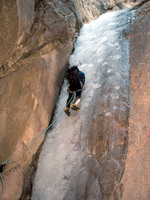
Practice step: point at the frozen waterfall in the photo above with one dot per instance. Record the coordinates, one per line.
(103, 49)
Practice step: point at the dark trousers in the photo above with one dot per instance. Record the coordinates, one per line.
(69, 100)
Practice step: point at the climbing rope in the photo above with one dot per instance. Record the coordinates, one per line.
(2, 185)
(32, 142)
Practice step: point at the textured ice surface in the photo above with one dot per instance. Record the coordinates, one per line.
(103, 52)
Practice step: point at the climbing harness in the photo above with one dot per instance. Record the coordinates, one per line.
(32, 142)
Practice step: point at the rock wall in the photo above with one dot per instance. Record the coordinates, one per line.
(119, 167)
(37, 39)
(137, 172)
(9, 29)
(90, 10)
(39, 23)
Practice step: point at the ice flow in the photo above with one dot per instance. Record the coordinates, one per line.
(101, 48)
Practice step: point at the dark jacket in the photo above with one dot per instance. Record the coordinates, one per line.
(76, 84)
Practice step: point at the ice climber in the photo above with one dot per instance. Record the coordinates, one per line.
(76, 80)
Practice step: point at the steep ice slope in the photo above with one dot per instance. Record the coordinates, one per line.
(102, 50)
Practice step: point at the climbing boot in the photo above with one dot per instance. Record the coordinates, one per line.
(67, 111)
(74, 107)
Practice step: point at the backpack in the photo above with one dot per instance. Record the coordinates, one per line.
(72, 73)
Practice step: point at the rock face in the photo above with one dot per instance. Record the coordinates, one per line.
(90, 10)
(137, 172)
(40, 23)
(121, 161)
(36, 40)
